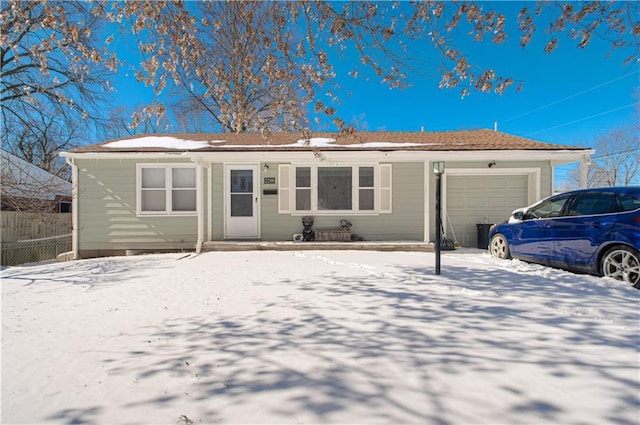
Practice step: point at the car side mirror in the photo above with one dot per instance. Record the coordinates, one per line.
(518, 215)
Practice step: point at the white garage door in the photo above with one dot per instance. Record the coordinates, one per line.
(472, 200)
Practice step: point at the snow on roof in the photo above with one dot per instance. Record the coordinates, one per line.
(314, 141)
(161, 142)
(21, 178)
(167, 142)
(321, 141)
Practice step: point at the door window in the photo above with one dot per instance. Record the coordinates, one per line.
(241, 193)
(628, 202)
(593, 203)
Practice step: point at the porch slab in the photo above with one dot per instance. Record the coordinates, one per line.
(316, 246)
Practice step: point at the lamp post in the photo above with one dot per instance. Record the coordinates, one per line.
(438, 170)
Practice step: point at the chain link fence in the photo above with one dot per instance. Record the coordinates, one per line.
(33, 250)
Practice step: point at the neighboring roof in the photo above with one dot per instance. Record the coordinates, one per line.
(465, 140)
(23, 179)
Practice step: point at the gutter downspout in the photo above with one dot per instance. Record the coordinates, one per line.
(200, 208)
(209, 203)
(74, 206)
(426, 237)
(584, 171)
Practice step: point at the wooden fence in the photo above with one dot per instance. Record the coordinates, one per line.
(17, 226)
(28, 237)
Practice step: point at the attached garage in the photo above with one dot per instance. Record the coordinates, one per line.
(473, 199)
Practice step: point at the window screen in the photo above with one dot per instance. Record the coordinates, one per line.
(335, 186)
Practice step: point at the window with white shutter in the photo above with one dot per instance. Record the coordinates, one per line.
(284, 188)
(357, 189)
(385, 188)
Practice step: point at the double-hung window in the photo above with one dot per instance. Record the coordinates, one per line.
(340, 189)
(166, 189)
(366, 189)
(303, 188)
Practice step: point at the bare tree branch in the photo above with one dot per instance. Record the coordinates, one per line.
(52, 77)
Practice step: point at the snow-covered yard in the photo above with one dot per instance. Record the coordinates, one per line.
(317, 337)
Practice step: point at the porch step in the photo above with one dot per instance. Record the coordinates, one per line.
(316, 246)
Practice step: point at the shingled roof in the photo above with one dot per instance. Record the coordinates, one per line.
(465, 140)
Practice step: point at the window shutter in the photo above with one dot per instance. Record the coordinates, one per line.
(385, 188)
(284, 188)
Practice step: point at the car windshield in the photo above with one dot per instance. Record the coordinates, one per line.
(548, 208)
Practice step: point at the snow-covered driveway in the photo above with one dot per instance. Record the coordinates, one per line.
(317, 337)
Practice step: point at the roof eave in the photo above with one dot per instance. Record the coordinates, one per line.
(350, 154)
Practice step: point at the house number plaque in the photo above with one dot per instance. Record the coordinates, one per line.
(269, 180)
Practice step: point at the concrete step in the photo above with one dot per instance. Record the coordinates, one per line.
(312, 246)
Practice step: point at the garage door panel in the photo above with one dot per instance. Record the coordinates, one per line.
(521, 183)
(476, 185)
(455, 184)
(515, 203)
(496, 202)
(498, 183)
(481, 199)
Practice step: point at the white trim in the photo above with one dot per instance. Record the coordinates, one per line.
(385, 168)
(255, 167)
(558, 156)
(284, 190)
(209, 202)
(74, 208)
(584, 172)
(199, 207)
(428, 175)
(167, 189)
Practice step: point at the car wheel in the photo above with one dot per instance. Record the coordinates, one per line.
(622, 263)
(499, 247)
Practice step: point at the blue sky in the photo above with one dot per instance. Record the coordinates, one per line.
(569, 96)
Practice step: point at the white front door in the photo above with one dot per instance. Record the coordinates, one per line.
(241, 191)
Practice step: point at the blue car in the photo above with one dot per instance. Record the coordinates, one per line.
(595, 231)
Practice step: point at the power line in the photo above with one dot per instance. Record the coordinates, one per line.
(570, 97)
(583, 119)
(615, 153)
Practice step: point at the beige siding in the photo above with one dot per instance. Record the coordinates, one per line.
(406, 222)
(217, 202)
(107, 211)
(499, 191)
(108, 221)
